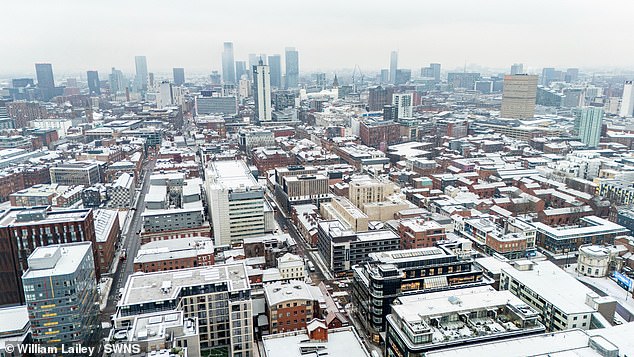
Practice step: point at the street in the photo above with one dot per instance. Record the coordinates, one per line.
(129, 242)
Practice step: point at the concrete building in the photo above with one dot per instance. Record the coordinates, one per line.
(404, 104)
(228, 65)
(76, 173)
(15, 327)
(341, 248)
(236, 201)
(291, 305)
(627, 100)
(341, 209)
(562, 301)
(227, 105)
(262, 92)
(178, 76)
(519, 96)
(292, 68)
(170, 219)
(302, 189)
(291, 266)
(55, 271)
(393, 66)
(173, 254)
(598, 261)
(425, 322)
(44, 195)
(142, 76)
(251, 138)
(365, 189)
(121, 192)
(220, 293)
(591, 229)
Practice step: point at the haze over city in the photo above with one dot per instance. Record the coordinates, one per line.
(76, 35)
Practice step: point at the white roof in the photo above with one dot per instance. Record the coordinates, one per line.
(342, 342)
(13, 318)
(71, 256)
(231, 174)
(281, 291)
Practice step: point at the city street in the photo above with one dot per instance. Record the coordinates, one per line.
(129, 242)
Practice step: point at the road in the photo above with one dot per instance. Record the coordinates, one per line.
(130, 242)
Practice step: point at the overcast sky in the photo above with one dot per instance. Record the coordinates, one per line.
(76, 35)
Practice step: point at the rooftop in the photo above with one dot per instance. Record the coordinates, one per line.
(174, 249)
(231, 175)
(342, 342)
(166, 285)
(57, 259)
(281, 291)
(591, 225)
(104, 222)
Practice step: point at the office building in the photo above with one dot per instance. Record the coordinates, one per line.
(464, 80)
(425, 322)
(24, 229)
(433, 71)
(44, 74)
(262, 92)
(518, 98)
(171, 219)
(218, 296)
(590, 122)
(93, 83)
(562, 301)
(76, 173)
(249, 139)
(117, 81)
(236, 201)
(627, 100)
(275, 65)
(341, 247)
(391, 274)
(404, 104)
(179, 76)
(292, 67)
(393, 66)
(241, 71)
(301, 189)
(517, 68)
(60, 290)
(291, 305)
(379, 96)
(142, 75)
(228, 65)
(226, 105)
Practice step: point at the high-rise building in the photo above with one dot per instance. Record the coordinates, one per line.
(517, 68)
(404, 104)
(142, 76)
(393, 66)
(44, 73)
(572, 74)
(93, 82)
(228, 66)
(275, 65)
(435, 67)
(590, 122)
(117, 81)
(236, 202)
(241, 70)
(549, 74)
(292, 67)
(379, 96)
(60, 290)
(179, 76)
(627, 101)
(262, 92)
(518, 98)
(253, 61)
(464, 80)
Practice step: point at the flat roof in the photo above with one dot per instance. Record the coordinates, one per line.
(281, 291)
(104, 222)
(418, 254)
(554, 285)
(13, 319)
(174, 249)
(231, 174)
(9, 217)
(70, 257)
(147, 287)
(342, 342)
(596, 226)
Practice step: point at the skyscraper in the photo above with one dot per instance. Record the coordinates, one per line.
(627, 101)
(117, 81)
(517, 68)
(93, 82)
(228, 66)
(241, 70)
(518, 98)
(292, 67)
(44, 73)
(142, 76)
(262, 92)
(253, 61)
(275, 65)
(179, 76)
(435, 68)
(393, 66)
(591, 119)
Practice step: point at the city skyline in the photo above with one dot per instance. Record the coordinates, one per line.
(454, 34)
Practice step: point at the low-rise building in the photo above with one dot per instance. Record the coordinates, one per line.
(291, 305)
(291, 266)
(598, 261)
(416, 233)
(174, 254)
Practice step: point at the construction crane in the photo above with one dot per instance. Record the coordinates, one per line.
(354, 72)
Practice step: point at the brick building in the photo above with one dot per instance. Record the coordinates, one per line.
(174, 254)
(417, 233)
(291, 305)
(373, 133)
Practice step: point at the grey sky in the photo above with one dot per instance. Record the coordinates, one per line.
(76, 35)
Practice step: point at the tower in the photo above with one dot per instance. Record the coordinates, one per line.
(393, 66)
(275, 65)
(627, 101)
(228, 66)
(44, 74)
(518, 98)
(590, 121)
(179, 76)
(93, 83)
(262, 92)
(142, 77)
(292, 67)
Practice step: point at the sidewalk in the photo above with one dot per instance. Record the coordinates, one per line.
(104, 292)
